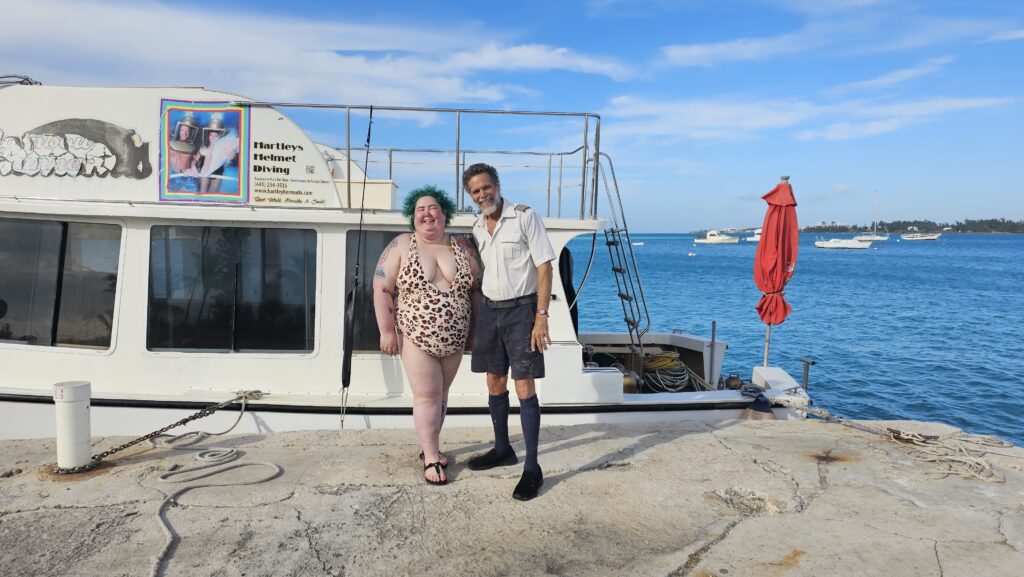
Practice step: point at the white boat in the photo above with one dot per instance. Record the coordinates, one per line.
(921, 236)
(756, 237)
(843, 243)
(715, 237)
(872, 237)
(122, 267)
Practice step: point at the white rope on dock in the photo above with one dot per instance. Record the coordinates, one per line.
(217, 459)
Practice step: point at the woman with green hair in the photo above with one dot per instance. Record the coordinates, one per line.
(435, 276)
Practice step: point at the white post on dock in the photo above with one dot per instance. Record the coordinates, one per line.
(73, 427)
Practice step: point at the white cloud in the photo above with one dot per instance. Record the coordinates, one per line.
(916, 32)
(743, 49)
(270, 57)
(902, 75)
(705, 119)
(881, 30)
(535, 57)
(1006, 36)
(638, 117)
(882, 119)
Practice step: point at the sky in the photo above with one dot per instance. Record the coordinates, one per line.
(914, 105)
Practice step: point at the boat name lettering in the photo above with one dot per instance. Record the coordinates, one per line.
(75, 147)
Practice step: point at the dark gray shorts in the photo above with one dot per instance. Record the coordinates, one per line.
(502, 340)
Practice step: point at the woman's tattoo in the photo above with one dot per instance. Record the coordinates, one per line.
(387, 250)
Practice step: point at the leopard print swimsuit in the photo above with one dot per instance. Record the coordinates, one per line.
(437, 321)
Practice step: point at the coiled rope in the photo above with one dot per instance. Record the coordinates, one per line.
(665, 373)
(962, 454)
(216, 459)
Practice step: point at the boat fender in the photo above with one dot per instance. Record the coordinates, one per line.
(733, 381)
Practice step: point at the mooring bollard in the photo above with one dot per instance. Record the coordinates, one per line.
(73, 428)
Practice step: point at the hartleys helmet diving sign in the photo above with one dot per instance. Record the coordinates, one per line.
(209, 154)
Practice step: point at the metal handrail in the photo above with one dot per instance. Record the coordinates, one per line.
(629, 241)
(550, 154)
(588, 208)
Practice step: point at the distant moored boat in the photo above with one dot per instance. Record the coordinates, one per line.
(715, 237)
(842, 243)
(921, 236)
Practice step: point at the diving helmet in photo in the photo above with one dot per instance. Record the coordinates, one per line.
(185, 135)
(215, 125)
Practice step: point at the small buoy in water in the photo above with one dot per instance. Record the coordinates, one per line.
(691, 253)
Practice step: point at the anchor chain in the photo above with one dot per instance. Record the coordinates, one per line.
(95, 460)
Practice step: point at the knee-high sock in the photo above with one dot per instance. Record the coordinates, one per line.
(529, 416)
(498, 406)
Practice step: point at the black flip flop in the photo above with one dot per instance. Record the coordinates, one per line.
(443, 465)
(437, 468)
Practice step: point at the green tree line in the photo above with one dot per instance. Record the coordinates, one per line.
(899, 226)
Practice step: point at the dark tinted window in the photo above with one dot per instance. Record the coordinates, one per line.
(58, 282)
(367, 337)
(231, 289)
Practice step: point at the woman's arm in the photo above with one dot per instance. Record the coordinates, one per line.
(476, 270)
(384, 279)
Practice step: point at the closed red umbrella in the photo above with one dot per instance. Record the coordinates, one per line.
(775, 259)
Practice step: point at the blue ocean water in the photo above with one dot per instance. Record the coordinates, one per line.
(927, 330)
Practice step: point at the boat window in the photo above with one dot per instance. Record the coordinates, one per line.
(367, 337)
(231, 289)
(58, 283)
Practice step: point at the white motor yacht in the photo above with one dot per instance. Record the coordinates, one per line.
(844, 243)
(715, 237)
(921, 236)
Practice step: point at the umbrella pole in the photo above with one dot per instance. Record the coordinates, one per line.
(767, 340)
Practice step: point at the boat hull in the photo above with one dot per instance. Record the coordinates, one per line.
(32, 417)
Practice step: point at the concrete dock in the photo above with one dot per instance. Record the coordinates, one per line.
(734, 499)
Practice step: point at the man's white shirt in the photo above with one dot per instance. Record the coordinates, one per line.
(512, 253)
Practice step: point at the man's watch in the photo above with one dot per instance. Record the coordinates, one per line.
(542, 312)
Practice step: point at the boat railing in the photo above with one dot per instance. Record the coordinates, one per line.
(590, 147)
(556, 181)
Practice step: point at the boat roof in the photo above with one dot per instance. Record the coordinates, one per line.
(156, 145)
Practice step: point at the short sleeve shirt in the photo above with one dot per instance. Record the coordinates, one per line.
(512, 253)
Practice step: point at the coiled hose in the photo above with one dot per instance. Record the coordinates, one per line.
(665, 373)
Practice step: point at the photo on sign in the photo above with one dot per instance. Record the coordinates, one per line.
(204, 151)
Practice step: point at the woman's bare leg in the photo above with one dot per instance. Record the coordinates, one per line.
(427, 382)
(449, 368)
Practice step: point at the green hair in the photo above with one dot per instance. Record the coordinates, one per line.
(442, 198)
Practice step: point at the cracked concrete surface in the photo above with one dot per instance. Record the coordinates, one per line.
(758, 498)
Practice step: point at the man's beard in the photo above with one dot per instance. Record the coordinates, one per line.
(493, 207)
